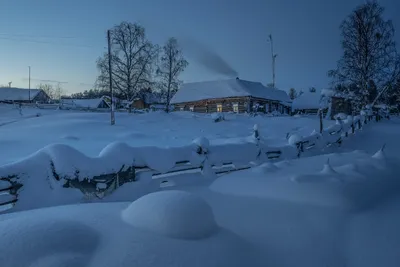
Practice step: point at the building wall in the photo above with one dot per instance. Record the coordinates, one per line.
(244, 104)
(41, 97)
(139, 104)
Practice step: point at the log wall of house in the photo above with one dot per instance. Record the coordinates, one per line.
(210, 105)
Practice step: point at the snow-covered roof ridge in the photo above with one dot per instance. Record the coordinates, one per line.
(312, 100)
(22, 94)
(227, 88)
(84, 103)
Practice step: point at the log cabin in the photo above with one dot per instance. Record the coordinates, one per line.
(232, 95)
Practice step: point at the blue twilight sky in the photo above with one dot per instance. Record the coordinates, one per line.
(306, 36)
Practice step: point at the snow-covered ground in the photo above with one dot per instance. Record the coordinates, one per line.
(305, 212)
(90, 132)
(335, 209)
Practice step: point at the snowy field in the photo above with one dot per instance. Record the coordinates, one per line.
(90, 132)
(335, 209)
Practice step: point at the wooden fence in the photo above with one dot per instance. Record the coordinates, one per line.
(215, 158)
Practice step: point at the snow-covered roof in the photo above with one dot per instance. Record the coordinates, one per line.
(307, 100)
(84, 103)
(227, 88)
(21, 94)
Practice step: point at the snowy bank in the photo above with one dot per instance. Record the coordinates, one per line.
(95, 235)
(351, 180)
(60, 167)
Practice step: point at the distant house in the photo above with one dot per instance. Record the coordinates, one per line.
(233, 95)
(326, 100)
(96, 103)
(21, 95)
(309, 103)
(148, 101)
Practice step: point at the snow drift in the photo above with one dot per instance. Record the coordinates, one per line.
(94, 235)
(351, 181)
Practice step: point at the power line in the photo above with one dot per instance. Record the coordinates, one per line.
(60, 82)
(39, 36)
(46, 42)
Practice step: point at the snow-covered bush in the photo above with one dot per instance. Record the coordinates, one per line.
(217, 117)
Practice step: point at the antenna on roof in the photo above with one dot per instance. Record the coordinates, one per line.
(273, 56)
(9, 84)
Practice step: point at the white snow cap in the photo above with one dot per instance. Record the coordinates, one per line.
(309, 100)
(294, 139)
(227, 88)
(176, 214)
(202, 142)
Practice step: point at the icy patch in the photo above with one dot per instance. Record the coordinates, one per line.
(176, 214)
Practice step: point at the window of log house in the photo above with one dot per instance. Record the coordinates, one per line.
(235, 107)
(219, 107)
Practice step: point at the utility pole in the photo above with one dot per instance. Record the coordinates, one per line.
(29, 67)
(273, 56)
(110, 74)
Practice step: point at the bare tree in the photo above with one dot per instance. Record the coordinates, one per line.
(58, 91)
(369, 53)
(48, 89)
(172, 64)
(292, 93)
(132, 60)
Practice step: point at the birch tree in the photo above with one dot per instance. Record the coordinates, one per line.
(369, 53)
(132, 61)
(172, 64)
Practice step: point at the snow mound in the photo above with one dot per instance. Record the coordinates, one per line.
(216, 117)
(176, 214)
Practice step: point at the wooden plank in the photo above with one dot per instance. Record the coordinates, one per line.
(5, 185)
(6, 199)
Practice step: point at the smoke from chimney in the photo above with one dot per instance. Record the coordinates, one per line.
(207, 57)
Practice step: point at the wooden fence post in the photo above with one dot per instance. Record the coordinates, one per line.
(321, 123)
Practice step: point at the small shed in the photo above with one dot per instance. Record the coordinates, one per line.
(21, 95)
(148, 101)
(309, 103)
